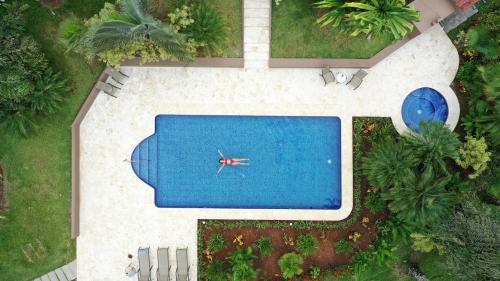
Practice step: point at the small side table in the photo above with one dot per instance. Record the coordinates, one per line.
(131, 270)
(341, 77)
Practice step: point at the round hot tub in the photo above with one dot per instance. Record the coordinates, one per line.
(424, 104)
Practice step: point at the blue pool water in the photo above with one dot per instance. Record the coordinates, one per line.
(294, 162)
(424, 104)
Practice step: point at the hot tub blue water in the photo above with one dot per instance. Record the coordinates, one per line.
(424, 104)
(295, 162)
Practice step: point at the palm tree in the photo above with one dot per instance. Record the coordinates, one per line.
(421, 201)
(375, 17)
(388, 163)
(132, 24)
(433, 146)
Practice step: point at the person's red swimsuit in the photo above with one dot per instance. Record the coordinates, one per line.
(229, 162)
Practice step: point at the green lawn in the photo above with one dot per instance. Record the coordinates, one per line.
(295, 34)
(231, 11)
(39, 167)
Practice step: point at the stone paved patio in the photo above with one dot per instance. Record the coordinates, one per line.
(117, 211)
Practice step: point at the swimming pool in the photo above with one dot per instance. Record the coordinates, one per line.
(424, 104)
(295, 162)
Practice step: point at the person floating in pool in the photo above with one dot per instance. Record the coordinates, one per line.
(223, 161)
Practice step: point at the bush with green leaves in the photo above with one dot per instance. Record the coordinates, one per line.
(374, 202)
(216, 242)
(264, 245)
(343, 246)
(242, 265)
(484, 107)
(71, 31)
(472, 239)
(370, 17)
(208, 30)
(290, 265)
(422, 200)
(215, 271)
(425, 244)
(28, 86)
(126, 30)
(307, 244)
(474, 154)
(314, 272)
(433, 145)
(387, 164)
(481, 40)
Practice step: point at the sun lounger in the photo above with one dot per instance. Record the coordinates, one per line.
(163, 271)
(107, 88)
(327, 75)
(144, 264)
(182, 272)
(115, 74)
(357, 79)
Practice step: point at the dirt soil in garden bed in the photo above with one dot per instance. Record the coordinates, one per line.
(4, 203)
(325, 257)
(52, 3)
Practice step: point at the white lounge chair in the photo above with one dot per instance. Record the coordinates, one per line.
(163, 271)
(144, 264)
(182, 272)
(107, 88)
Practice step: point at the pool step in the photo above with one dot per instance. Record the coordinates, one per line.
(144, 160)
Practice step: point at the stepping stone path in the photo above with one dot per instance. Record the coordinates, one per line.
(64, 273)
(256, 30)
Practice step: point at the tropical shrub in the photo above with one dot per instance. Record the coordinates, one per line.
(371, 17)
(337, 15)
(307, 244)
(242, 265)
(314, 272)
(181, 17)
(28, 86)
(433, 146)
(208, 30)
(46, 96)
(216, 242)
(484, 107)
(425, 244)
(128, 31)
(264, 245)
(480, 39)
(374, 202)
(388, 163)
(377, 17)
(421, 201)
(474, 153)
(473, 243)
(290, 264)
(71, 31)
(215, 271)
(343, 246)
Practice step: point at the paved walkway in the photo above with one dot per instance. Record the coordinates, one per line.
(256, 30)
(64, 273)
(117, 211)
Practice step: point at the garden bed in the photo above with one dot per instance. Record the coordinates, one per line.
(231, 11)
(326, 233)
(295, 34)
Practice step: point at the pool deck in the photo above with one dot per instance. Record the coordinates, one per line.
(117, 211)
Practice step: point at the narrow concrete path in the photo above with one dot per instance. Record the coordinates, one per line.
(256, 30)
